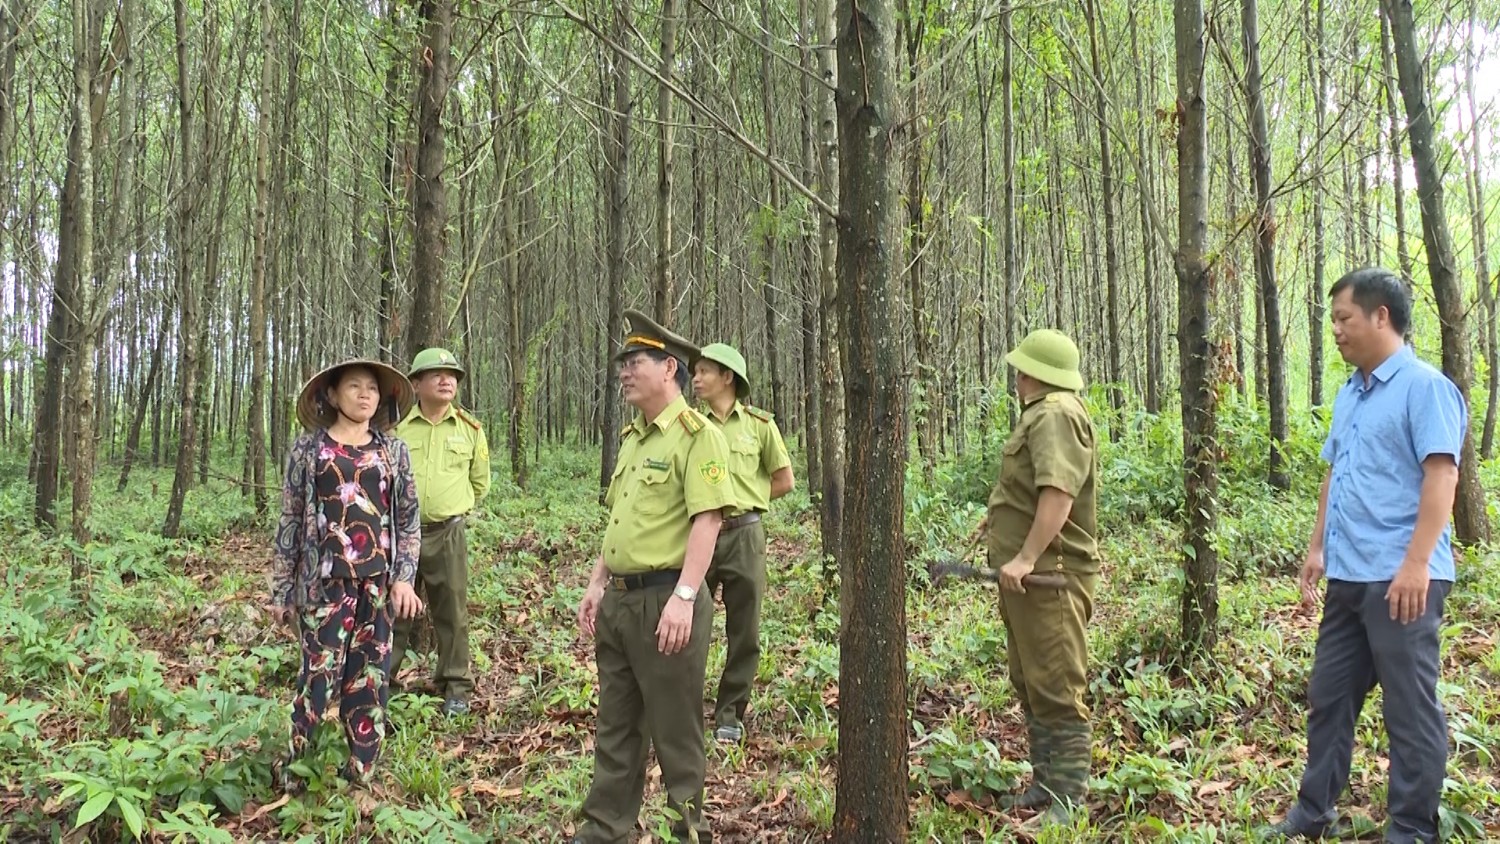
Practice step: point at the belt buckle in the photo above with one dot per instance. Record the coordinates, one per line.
(617, 583)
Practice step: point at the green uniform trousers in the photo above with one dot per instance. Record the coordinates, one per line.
(646, 696)
(1047, 650)
(443, 577)
(740, 565)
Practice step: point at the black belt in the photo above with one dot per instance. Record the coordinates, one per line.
(432, 526)
(740, 521)
(632, 582)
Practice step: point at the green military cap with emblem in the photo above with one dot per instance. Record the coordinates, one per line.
(436, 357)
(730, 358)
(1049, 356)
(644, 334)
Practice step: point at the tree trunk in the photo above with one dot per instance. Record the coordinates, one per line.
(617, 172)
(925, 407)
(1398, 167)
(1265, 248)
(187, 294)
(148, 391)
(1470, 520)
(390, 330)
(47, 443)
(811, 292)
(86, 321)
(831, 351)
(1478, 218)
(429, 265)
(255, 420)
(1317, 71)
(770, 221)
(871, 803)
(1116, 374)
(666, 301)
(1145, 189)
(1200, 593)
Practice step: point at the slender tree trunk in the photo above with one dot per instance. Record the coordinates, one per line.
(1317, 71)
(831, 351)
(770, 221)
(1471, 523)
(389, 326)
(47, 442)
(1265, 247)
(1010, 282)
(617, 172)
(1478, 218)
(255, 420)
(811, 291)
(925, 407)
(187, 294)
(86, 323)
(871, 804)
(1200, 593)
(429, 260)
(148, 391)
(1116, 374)
(1146, 192)
(1398, 166)
(666, 300)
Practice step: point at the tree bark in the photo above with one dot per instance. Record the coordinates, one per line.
(770, 222)
(1200, 593)
(1398, 166)
(1115, 370)
(86, 322)
(925, 407)
(871, 803)
(187, 294)
(1477, 220)
(1265, 248)
(831, 352)
(1317, 71)
(617, 173)
(1470, 520)
(429, 258)
(255, 419)
(811, 292)
(666, 300)
(1146, 192)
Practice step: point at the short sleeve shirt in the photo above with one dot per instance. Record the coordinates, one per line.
(450, 461)
(668, 471)
(1053, 445)
(756, 452)
(1382, 431)
(354, 504)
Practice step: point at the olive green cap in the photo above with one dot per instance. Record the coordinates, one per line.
(730, 358)
(642, 333)
(436, 358)
(1050, 357)
(396, 395)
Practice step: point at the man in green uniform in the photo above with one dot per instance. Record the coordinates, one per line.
(644, 607)
(1042, 518)
(759, 470)
(450, 459)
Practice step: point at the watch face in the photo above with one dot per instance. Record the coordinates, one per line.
(685, 593)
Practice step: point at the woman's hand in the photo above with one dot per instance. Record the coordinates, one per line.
(405, 601)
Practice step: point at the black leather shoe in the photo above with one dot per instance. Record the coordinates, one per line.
(454, 707)
(1289, 829)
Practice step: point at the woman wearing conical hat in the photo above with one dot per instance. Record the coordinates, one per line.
(346, 554)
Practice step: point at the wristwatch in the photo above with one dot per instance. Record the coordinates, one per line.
(686, 593)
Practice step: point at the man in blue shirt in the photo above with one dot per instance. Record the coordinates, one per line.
(1382, 538)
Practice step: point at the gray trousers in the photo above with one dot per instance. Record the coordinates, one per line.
(1358, 646)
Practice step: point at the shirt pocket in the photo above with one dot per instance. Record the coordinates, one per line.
(744, 458)
(656, 494)
(458, 454)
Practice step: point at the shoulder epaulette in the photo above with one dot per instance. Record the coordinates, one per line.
(467, 419)
(758, 413)
(692, 421)
(625, 431)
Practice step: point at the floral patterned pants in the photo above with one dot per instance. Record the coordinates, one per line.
(346, 642)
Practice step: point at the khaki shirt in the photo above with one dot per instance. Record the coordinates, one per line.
(1053, 445)
(756, 452)
(450, 460)
(669, 470)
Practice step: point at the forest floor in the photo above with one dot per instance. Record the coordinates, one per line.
(149, 702)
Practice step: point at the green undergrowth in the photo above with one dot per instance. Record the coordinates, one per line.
(147, 700)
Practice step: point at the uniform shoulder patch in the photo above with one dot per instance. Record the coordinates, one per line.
(692, 421)
(1054, 398)
(625, 431)
(468, 418)
(758, 413)
(714, 472)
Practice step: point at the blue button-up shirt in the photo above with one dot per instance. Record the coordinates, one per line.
(1382, 431)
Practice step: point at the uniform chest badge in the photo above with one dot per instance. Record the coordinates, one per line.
(656, 465)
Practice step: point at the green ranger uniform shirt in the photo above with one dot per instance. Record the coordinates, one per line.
(668, 471)
(450, 461)
(1052, 445)
(756, 452)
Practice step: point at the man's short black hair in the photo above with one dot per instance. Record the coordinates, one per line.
(1374, 287)
(684, 376)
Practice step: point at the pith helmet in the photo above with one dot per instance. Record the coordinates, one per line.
(436, 358)
(642, 333)
(1050, 357)
(396, 395)
(729, 357)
